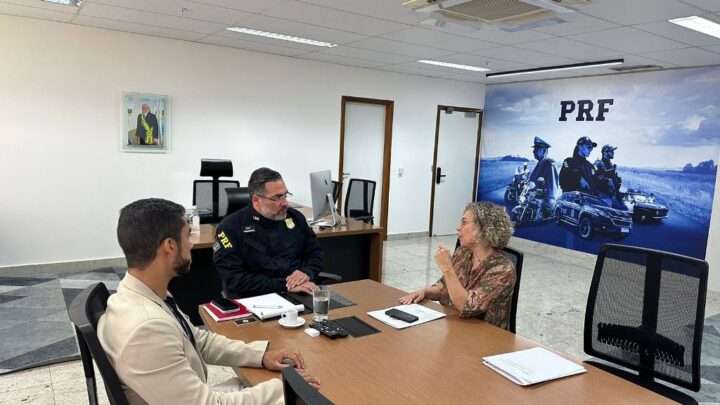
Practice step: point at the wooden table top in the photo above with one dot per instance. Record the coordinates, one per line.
(436, 362)
(347, 227)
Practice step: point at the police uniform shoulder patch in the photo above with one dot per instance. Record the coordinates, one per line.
(224, 240)
(289, 223)
(216, 246)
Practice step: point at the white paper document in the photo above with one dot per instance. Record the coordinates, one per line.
(424, 314)
(532, 366)
(269, 305)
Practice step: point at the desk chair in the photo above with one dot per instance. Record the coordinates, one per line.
(208, 195)
(645, 312)
(237, 199)
(337, 189)
(85, 311)
(298, 391)
(516, 257)
(359, 200)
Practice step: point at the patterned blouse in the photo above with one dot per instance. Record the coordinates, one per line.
(489, 287)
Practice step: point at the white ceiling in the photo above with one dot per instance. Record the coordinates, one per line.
(384, 35)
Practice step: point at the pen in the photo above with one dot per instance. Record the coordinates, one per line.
(268, 306)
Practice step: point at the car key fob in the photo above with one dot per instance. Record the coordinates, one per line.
(401, 315)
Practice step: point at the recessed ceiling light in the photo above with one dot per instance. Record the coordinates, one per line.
(556, 68)
(75, 3)
(698, 24)
(454, 65)
(283, 37)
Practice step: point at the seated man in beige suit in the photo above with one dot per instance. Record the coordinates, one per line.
(159, 357)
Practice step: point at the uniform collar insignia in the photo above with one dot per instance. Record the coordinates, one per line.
(289, 223)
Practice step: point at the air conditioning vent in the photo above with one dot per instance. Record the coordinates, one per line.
(489, 11)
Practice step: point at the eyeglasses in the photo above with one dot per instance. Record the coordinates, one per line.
(277, 198)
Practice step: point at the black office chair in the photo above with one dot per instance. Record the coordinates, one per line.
(237, 199)
(516, 257)
(298, 391)
(209, 195)
(645, 312)
(337, 189)
(85, 311)
(359, 200)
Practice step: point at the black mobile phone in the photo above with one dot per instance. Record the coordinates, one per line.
(401, 315)
(224, 304)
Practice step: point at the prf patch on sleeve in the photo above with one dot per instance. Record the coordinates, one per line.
(224, 240)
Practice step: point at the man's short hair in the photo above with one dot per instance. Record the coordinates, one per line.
(144, 225)
(258, 178)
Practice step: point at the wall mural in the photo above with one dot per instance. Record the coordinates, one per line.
(626, 158)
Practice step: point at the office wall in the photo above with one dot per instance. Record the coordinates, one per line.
(63, 177)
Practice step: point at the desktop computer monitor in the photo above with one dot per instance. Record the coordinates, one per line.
(321, 190)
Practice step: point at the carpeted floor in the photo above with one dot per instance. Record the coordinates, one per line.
(35, 328)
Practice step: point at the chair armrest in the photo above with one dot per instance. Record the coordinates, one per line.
(324, 277)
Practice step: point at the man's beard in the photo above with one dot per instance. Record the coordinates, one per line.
(181, 266)
(275, 216)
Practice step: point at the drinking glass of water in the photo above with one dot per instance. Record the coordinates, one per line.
(321, 303)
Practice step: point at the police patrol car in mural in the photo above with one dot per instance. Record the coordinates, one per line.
(642, 207)
(592, 216)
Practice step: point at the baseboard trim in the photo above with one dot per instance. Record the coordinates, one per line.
(54, 269)
(410, 235)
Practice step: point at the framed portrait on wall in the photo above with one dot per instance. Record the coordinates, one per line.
(145, 120)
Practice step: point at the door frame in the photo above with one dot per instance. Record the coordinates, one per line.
(444, 108)
(385, 192)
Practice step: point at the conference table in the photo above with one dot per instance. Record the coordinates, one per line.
(435, 362)
(352, 249)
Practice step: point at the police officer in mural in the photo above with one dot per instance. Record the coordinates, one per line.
(545, 177)
(266, 247)
(606, 177)
(577, 174)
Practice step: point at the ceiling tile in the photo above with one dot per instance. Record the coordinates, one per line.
(331, 18)
(383, 9)
(678, 33)
(468, 78)
(438, 39)
(137, 28)
(173, 7)
(709, 5)
(687, 57)
(628, 12)
(342, 60)
(569, 48)
(147, 18)
(271, 24)
(576, 23)
(627, 39)
(527, 56)
(253, 6)
(493, 33)
(414, 70)
(635, 60)
(35, 12)
(251, 46)
(400, 48)
(367, 54)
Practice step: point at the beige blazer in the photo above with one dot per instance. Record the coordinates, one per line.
(157, 363)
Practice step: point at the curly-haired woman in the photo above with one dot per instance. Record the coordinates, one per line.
(477, 280)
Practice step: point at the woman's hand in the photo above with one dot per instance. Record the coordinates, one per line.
(443, 259)
(413, 298)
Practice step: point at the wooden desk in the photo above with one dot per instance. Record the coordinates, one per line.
(437, 362)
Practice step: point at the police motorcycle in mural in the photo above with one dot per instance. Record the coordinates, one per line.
(533, 205)
(516, 185)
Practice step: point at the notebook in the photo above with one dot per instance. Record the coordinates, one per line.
(532, 366)
(218, 316)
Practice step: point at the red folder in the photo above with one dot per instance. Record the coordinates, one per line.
(218, 316)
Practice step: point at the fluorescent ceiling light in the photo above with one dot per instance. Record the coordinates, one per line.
(283, 37)
(556, 68)
(75, 3)
(698, 24)
(454, 65)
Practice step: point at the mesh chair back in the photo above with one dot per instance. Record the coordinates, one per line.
(337, 188)
(359, 200)
(85, 311)
(298, 391)
(645, 312)
(237, 199)
(202, 196)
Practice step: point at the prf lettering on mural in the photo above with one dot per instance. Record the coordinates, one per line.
(585, 109)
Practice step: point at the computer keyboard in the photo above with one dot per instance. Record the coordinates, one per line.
(330, 329)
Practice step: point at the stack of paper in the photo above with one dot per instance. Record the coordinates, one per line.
(424, 314)
(532, 366)
(269, 305)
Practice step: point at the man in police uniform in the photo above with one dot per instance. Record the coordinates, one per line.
(266, 247)
(606, 176)
(577, 174)
(546, 170)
